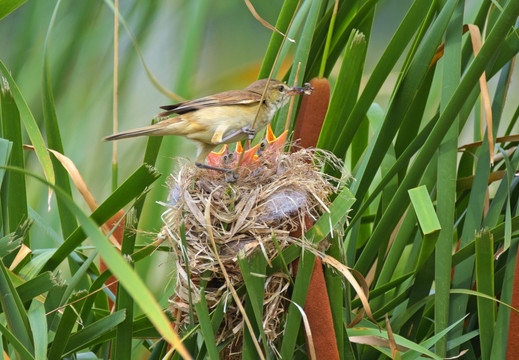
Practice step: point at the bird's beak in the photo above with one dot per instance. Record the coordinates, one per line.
(274, 142)
(249, 156)
(298, 90)
(215, 158)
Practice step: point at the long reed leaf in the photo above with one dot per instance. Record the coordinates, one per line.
(12, 154)
(30, 125)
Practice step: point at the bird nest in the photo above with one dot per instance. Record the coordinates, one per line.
(256, 214)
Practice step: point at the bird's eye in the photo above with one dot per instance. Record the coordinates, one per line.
(281, 88)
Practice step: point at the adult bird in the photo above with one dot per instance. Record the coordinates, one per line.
(222, 118)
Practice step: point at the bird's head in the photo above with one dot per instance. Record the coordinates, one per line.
(278, 93)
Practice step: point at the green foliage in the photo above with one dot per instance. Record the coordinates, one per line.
(421, 223)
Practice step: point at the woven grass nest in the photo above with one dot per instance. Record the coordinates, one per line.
(269, 200)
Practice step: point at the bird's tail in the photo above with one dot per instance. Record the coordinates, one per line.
(131, 133)
(159, 129)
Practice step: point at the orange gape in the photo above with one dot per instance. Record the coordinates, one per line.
(268, 146)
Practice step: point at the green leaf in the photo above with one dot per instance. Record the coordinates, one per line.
(255, 285)
(399, 340)
(38, 323)
(131, 188)
(447, 168)
(30, 125)
(16, 343)
(9, 243)
(424, 210)
(293, 321)
(36, 286)
(284, 18)
(5, 151)
(11, 145)
(467, 83)
(89, 334)
(123, 340)
(428, 220)
(206, 328)
(102, 302)
(338, 211)
(432, 341)
(68, 222)
(52, 302)
(120, 268)
(9, 6)
(301, 56)
(501, 333)
(66, 324)
(15, 313)
(394, 50)
(485, 285)
(345, 91)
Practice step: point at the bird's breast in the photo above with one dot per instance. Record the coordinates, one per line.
(228, 119)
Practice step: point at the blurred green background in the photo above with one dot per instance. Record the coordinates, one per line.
(198, 47)
(227, 54)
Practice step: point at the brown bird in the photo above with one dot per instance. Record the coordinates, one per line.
(222, 118)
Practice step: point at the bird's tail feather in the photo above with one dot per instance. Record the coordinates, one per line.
(159, 129)
(149, 130)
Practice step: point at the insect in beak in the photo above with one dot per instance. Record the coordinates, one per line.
(296, 90)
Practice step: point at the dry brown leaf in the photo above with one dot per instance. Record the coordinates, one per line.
(392, 342)
(80, 184)
(465, 183)
(22, 254)
(457, 356)
(361, 289)
(264, 22)
(308, 331)
(373, 340)
(475, 37)
(501, 139)
(74, 175)
(358, 318)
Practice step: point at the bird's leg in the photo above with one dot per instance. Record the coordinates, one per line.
(245, 130)
(232, 175)
(209, 167)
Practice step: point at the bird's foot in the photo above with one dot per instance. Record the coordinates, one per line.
(251, 133)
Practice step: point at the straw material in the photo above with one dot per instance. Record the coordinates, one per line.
(268, 200)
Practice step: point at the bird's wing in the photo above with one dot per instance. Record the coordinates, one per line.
(232, 97)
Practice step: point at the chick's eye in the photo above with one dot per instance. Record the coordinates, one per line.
(281, 88)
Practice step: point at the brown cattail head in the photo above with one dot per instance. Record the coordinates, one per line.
(311, 114)
(317, 307)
